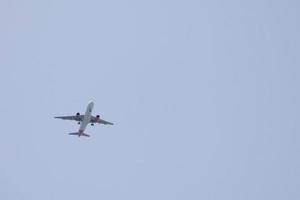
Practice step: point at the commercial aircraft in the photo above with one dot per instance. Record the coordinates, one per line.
(85, 119)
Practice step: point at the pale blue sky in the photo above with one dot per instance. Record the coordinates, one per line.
(204, 95)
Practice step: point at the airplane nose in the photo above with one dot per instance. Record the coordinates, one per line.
(91, 104)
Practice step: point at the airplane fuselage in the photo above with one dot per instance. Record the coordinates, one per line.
(86, 118)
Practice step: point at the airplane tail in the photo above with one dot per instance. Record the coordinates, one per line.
(77, 133)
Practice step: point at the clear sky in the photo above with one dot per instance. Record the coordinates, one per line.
(204, 96)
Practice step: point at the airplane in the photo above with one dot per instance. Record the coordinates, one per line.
(85, 119)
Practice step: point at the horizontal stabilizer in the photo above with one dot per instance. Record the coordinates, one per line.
(82, 134)
(76, 133)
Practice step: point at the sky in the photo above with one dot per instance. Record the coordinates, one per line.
(204, 96)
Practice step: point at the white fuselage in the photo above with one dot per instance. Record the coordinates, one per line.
(86, 118)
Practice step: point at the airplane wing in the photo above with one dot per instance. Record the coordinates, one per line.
(73, 117)
(100, 121)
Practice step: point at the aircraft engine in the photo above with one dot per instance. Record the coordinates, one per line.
(77, 116)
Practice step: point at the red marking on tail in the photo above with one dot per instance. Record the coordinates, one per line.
(80, 131)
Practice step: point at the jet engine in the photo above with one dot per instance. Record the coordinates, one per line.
(77, 117)
(97, 117)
